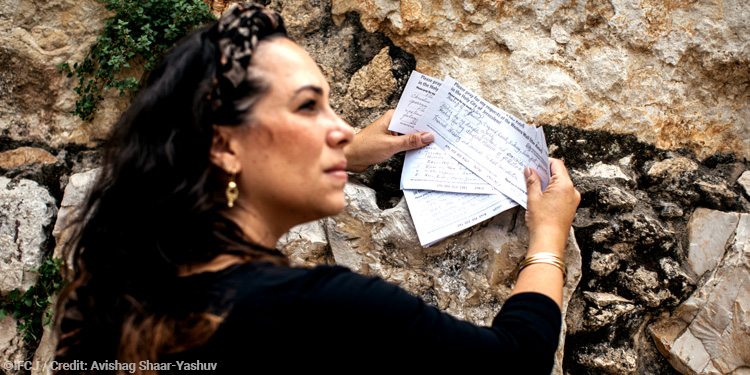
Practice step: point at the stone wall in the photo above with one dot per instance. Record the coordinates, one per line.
(646, 102)
(674, 73)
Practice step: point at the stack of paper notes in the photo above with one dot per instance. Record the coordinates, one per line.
(474, 169)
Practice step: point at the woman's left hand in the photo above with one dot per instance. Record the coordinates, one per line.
(375, 144)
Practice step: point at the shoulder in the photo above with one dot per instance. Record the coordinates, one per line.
(327, 288)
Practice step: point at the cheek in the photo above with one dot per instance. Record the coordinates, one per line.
(302, 148)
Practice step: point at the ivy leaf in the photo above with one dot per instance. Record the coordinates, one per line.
(138, 28)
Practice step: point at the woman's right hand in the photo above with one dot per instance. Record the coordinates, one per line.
(550, 214)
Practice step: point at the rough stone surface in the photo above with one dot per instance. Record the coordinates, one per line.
(609, 360)
(45, 352)
(76, 190)
(634, 252)
(75, 194)
(624, 66)
(710, 332)
(24, 156)
(36, 36)
(670, 167)
(12, 347)
(710, 232)
(25, 210)
(604, 264)
(307, 245)
(672, 73)
(607, 171)
(371, 85)
(365, 70)
(607, 308)
(467, 275)
(744, 181)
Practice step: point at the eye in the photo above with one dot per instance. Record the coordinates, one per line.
(308, 105)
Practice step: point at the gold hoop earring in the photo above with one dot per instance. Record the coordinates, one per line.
(231, 192)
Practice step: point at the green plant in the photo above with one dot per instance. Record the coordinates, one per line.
(31, 308)
(142, 29)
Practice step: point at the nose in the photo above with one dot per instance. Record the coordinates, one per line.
(341, 134)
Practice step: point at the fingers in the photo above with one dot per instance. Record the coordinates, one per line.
(550, 214)
(414, 140)
(375, 143)
(533, 183)
(561, 179)
(557, 168)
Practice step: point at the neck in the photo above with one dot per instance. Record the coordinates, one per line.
(255, 226)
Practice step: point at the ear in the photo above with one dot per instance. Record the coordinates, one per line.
(223, 153)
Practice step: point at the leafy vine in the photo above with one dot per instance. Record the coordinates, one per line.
(139, 29)
(32, 308)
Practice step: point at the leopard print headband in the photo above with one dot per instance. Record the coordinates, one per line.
(237, 35)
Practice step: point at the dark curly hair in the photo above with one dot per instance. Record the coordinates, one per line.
(156, 204)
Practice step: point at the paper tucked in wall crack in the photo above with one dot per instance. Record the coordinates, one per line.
(480, 175)
(488, 141)
(430, 168)
(438, 214)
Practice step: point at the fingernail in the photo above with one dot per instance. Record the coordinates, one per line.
(427, 137)
(527, 172)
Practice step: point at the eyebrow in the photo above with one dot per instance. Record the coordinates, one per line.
(317, 89)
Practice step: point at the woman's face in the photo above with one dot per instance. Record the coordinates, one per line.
(290, 156)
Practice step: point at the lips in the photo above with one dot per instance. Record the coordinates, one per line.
(338, 170)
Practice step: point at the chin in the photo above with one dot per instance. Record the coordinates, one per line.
(336, 206)
(325, 208)
(336, 209)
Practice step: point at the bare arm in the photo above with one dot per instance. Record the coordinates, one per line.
(375, 144)
(549, 216)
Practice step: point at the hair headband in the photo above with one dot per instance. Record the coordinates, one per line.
(237, 35)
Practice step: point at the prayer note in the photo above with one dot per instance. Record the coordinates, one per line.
(430, 168)
(474, 169)
(488, 141)
(438, 215)
(418, 94)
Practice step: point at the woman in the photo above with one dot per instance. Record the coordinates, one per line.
(232, 143)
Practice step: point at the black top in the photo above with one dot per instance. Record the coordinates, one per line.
(277, 318)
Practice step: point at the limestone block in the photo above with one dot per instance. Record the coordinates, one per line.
(669, 168)
(613, 197)
(607, 308)
(710, 332)
(609, 360)
(36, 36)
(604, 264)
(78, 187)
(744, 181)
(710, 232)
(75, 194)
(467, 275)
(671, 74)
(45, 352)
(716, 192)
(607, 171)
(12, 348)
(25, 209)
(372, 84)
(25, 156)
(669, 209)
(646, 285)
(306, 244)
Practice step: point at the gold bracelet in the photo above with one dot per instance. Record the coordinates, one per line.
(547, 258)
